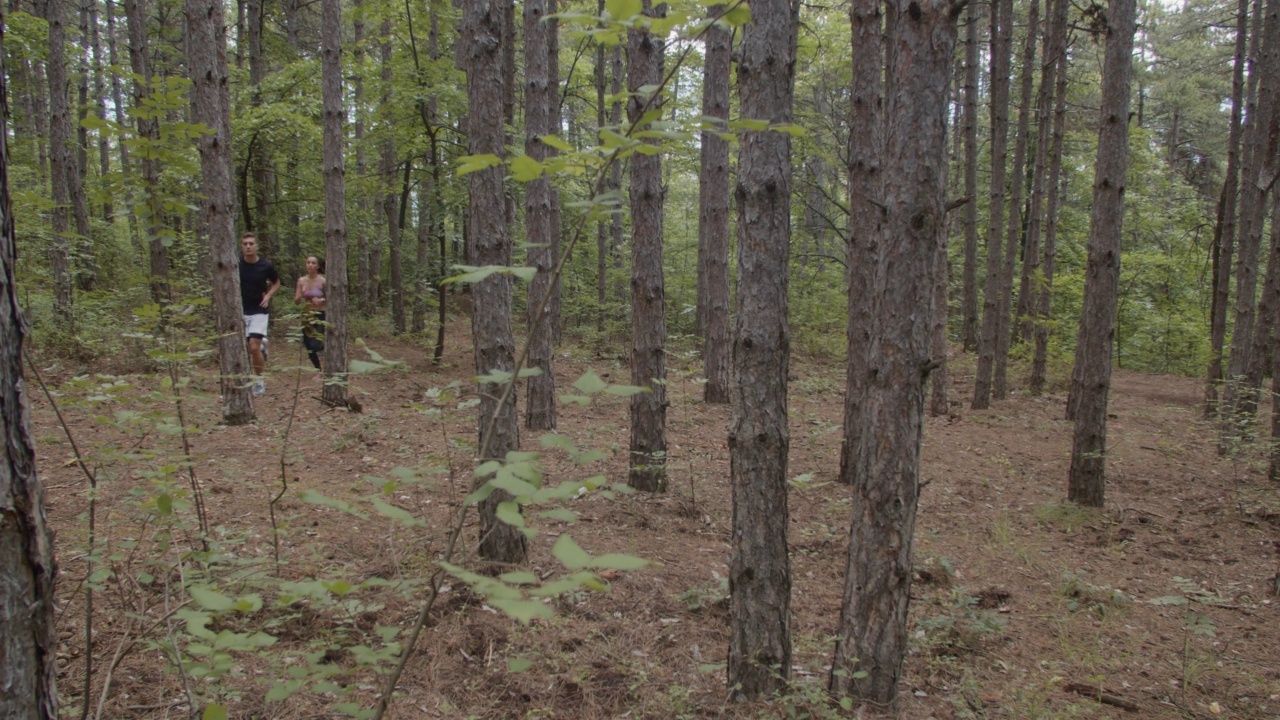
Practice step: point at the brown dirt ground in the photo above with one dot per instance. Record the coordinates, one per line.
(1021, 603)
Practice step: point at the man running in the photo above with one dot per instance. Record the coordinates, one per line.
(258, 282)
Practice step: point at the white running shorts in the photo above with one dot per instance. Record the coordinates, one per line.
(256, 325)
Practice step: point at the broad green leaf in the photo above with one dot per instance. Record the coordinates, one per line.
(509, 513)
(363, 367)
(524, 273)
(561, 514)
(525, 169)
(311, 496)
(210, 599)
(623, 9)
(338, 587)
(626, 390)
(738, 16)
(513, 485)
(748, 124)
(570, 553)
(519, 577)
(164, 504)
(556, 143)
(556, 440)
(590, 383)
(495, 377)
(248, 603)
(472, 163)
(579, 400)
(524, 611)
(789, 128)
(281, 691)
(530, 372)
(404, 517)
(517, 665)
(213, 711)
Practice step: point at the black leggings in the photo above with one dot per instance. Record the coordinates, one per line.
(313, 336)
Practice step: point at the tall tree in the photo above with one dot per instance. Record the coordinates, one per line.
(1091, 378)
(713, 214)
(62, 160)
(866, 188)
(648, 299)
(541, 204)
(392, 211)
(872, 631)
(335, 205)
(759, 569)
(969, 304)
(211, 105)
(28, 635)
(490, 244)
(1224, 230)
(149, 132)
(1000, 384)
(1001, 46)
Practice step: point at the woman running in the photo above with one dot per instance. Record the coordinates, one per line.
(310, 290)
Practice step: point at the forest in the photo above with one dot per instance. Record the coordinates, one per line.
(746, 358)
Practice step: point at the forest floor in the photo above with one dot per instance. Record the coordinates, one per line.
(1163, 605)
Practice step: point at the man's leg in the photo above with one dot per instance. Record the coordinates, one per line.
(255, 355)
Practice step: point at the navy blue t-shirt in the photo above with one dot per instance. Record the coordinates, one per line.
(255, 279)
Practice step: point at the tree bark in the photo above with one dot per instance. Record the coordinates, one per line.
(713, 216)
(61, 162)
(1224, 230)
(1001, 42)
(759, 569)
(1000, 381)
(1091, 379)
(648, 457)
(211, 105)
(149, 133)
(390, 207)
(1044, 293)
(872, 631)
(490, 242)
(541, 202)
(969, 328)
(866, 193)
(364, 280)
(335, 209)
(28, 637)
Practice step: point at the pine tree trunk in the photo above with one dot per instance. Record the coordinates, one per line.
(872, 631)
(759, 568)
(364, 283)
(866, 190)
(541, 99)
(969, 327)
(648, 457)
(335, 209)
(1001, 42)
(86, 275)
(713, 217)
(602, 227)
(149, 131)
(28, 635)
(100, 104)
(1092, 375)
(490, 241)
(211, 105)
(61, 162)
(1224, 230)
(1000, 380)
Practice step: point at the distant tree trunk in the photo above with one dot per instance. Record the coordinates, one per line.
(28, 635)
(1238, 405)
(866, 193)
(1091, 379)
(335, 208)
(969, 328)
(759, 569)
(1000, 381)
(149, 132)
(61, 162)
(713, 216)
(364, 281)
(1044, 293)
(431, 211)
(86, 276)
(1025, 314)
(490, 241)
(602, 227)
(1224, 230)
(872, 631)
(540, 198)
(1001, 42)
(100, 102)
(211, 105)
(1274, 472)
(117, 94)
(615, 172)
(648, 306)
(390, 207)
(260, 160)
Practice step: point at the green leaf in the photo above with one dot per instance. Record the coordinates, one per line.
(404, 517)
(311, 496)
(338, 587)
(530, 372)
(561, 514)
(1168, 600)
(210, 599)
(524, 611)
(615, 561)
(738, 16)
(509, 513)
(213, 711)
(623, 9)
(748, 124)
(570, 553)
(363, 367)
(473, 163)
(556, 440)
(626, 390)
(711, 667)
(525, 169)
(164, 504)
(519, 577)
(248, 603)
(789, 128)
(557, 143)
(590, 383)
(518, 665)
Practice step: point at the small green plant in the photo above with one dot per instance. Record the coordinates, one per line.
(705, 596)
(1080, 595)
(966, 624)
(1068, 517)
